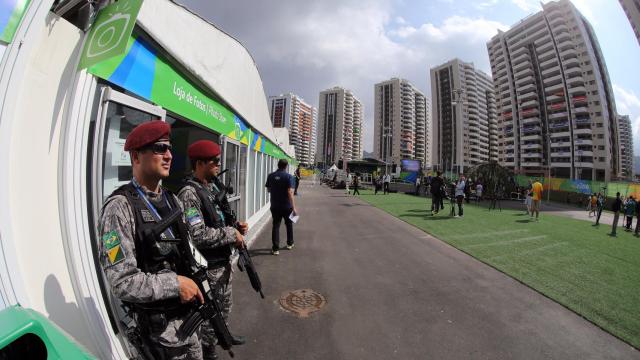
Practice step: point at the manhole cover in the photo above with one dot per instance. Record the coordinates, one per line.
(302, 302)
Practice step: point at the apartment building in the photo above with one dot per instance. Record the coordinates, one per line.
(401, 122)
(464, 130)
(556, 110)
(626, 147)
(293, 113)
(340, 120)
(632, 9)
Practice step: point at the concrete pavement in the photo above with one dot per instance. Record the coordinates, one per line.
(394, 292)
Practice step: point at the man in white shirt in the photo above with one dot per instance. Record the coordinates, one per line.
(460, 194)
(479, 192)
(386, 181)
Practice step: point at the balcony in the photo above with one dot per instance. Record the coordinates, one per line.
(569, 53)
(531, 121)
(581, 110)
(547, 55)
(529, 103)
(544, 47)
(533, 137)
(519, 50)
(560, 134)
(559, 115)
(583, 120)
(570, 63)
(531, 129)
(558, 106)
(575, 80)
(554, 80)
(531, 164)
(548, 64)
(525, 80)
(521, 57)
(560, 163)
(532, 146)
(522, 65)
(584, 153)
(554, 89)
(559, 124)
(551, 72)
(588, 131)
(560, 154)
(526, 88)
(583, 164)
(583, 142)
(529, 112)
(559, 28)
(579, 99)
(561, 144)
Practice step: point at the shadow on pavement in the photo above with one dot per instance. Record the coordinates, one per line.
(260, 252)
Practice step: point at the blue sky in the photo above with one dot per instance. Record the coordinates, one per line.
(307, 46)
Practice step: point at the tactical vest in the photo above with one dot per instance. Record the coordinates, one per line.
(153, 256)
(211, 213)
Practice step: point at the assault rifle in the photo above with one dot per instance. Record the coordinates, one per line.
(230, 219)
(196, 265)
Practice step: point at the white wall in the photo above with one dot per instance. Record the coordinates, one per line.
(39, 95)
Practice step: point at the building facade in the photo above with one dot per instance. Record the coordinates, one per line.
(464, 129)
(340, 119)
(632, 9)
(401, 122)
(626, 147)
(292, 112)
(556, 110)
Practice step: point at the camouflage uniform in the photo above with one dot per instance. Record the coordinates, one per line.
(220, 275)
(128, 283)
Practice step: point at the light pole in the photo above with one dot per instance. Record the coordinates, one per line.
(457, 100)
(549, 164)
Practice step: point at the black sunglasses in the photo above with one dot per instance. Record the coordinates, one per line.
(158, 148)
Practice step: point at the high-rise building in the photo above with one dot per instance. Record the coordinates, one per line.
(626, 147)
(340, 119)
(464, 129)
(401, 120)
(291, 112)
(556, 110)
(632, 9)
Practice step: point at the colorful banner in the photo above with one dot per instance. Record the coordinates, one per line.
(110, 32)
(584, 186)
(144, 72)
(11, 13)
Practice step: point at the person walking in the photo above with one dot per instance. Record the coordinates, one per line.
(348, 181)
(280, 185)
(637, 232)
(479, 192)
(600, 205)
(629, 209)
(467, 190)
(386, 180)
(459, 193)
(418, 180)
(378, 184)
(436, 192)
(536, 198)
(356, 184)
(617, 206)
(528, 201)
(298, 177)
(593, 204)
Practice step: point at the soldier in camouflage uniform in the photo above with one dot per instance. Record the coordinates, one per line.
(211, 236)
(148, 278)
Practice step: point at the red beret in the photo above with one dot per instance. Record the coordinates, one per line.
(203, 149)
(147, 133)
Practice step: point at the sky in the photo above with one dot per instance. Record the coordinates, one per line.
(304, 46)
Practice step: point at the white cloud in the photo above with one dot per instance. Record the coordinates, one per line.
(527, 5)
(628, 103)
(486, 4)
(351, 43)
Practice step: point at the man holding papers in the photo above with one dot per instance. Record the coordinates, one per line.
(281, 186)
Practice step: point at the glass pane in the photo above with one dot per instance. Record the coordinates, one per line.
(116, 167)
(231, 164)
(242, 182)
(252, 183)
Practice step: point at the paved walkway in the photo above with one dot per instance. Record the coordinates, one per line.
(394, 292)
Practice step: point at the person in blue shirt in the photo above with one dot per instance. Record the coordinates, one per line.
(281, 186)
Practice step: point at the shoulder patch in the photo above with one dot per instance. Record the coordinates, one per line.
(146, 216)
(111, 240)
(192, 215)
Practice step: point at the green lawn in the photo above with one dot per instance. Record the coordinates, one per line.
(568, 260)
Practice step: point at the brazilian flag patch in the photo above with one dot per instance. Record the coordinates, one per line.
(192, 215)
(111, 242)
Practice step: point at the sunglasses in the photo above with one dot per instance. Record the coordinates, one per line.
(159, 148)
(215, 160)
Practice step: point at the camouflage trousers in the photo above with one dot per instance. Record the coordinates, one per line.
(191, 351)
(220, 280)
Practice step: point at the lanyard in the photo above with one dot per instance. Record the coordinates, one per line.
(150, 205)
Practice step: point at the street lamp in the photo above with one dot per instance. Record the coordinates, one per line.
(457, 100)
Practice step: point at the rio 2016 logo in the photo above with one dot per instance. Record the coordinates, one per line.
(108, 35)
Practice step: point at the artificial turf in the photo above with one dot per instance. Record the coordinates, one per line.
(568, 260)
